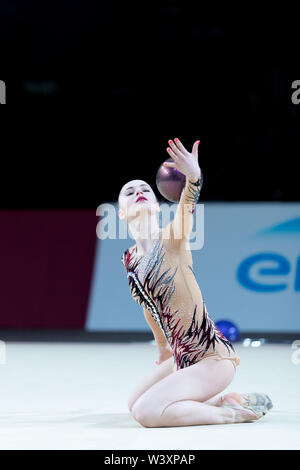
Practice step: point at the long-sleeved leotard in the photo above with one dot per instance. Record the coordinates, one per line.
(163, 282)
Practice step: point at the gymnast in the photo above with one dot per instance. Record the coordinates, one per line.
(196, 362)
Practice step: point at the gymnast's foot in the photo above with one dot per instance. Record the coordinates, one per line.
(241, 414)
(256, 403)
(249, 399)
(232, 398)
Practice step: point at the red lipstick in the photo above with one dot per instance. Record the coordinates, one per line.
(141, 198)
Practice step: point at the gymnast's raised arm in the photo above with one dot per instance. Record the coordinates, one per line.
(187, 163)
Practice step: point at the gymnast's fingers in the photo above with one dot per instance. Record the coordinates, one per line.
(172, 154)
(176, 150)
(170, 164)
(180, 146)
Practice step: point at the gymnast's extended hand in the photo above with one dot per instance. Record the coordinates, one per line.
(164, 352)
(184, 161)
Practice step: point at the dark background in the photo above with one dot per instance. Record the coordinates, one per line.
(124, 78)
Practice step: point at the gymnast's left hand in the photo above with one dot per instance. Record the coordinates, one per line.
(164, 353)
(184, 161)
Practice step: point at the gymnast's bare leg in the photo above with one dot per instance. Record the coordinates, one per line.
(166, 368)
(179, 398)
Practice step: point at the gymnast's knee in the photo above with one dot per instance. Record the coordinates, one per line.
(130, 404)
(143, 415)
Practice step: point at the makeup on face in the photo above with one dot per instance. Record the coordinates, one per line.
(136, 194)
(141, 198)
(126, 193)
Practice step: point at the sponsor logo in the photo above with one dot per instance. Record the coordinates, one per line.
(272, 264)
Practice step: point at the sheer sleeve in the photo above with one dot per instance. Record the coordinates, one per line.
(183, 220)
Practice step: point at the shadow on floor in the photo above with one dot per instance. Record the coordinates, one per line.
(107, 420)
(104, 420)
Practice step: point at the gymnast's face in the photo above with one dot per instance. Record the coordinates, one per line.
(135, 198)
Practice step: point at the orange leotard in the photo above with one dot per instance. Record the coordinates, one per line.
(164, 283)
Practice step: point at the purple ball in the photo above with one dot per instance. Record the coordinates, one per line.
(170, 182)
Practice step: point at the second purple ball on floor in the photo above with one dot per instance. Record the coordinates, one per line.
(228, 329)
